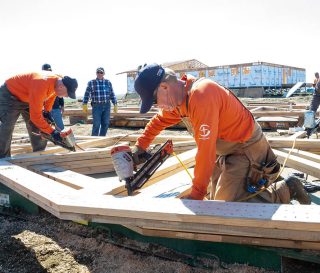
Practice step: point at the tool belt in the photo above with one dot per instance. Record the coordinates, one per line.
(261, 173)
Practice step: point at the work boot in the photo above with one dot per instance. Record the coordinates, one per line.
(297, 192)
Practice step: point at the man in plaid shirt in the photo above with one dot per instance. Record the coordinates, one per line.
(100, 92)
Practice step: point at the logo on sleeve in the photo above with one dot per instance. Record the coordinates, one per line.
(204, 131)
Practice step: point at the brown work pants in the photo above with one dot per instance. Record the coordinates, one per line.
(229, 180)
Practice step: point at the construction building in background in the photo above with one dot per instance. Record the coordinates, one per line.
(246, 80)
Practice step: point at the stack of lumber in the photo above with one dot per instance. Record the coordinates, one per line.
(282, 118)
(125, 117)
(96, 158)
(269, 115)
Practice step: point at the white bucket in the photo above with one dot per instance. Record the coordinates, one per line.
(309, 121)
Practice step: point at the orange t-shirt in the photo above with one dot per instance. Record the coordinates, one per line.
(37, 89)
(215, 114)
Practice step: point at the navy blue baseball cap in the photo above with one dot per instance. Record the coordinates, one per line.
(71, 85)
(148, 80)
(47, 67)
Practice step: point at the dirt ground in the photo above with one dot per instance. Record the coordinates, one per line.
(43, 243)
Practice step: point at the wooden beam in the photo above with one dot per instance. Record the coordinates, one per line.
(101, 142)
(261, 232)
(168, 187)
(303, 144)
(302, 217)
(65, 200)
(227, 238)
(75, 180)
(299, 163)
(295, 113)
(30, 159)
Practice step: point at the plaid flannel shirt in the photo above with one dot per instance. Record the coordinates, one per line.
(99, 91)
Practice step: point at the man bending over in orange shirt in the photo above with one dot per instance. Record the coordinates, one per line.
(231, 145)
(31, 95)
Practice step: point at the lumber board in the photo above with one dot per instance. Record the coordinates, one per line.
(227, 239)
(76, 180)
(20, 140)
(275, 107)
(38, 189)
(299, 217)
(101, 142)
(303, 144)
(160, 138)
(120, 113)
(94, 169)
(299, 163)
(168, 187)
(254, 102)
(259, 232)
(67, 201)
(302, 154)
(295, 113)
(277, 119)
(300, 134)
(138, 123)
(54, 158)
(85, 163)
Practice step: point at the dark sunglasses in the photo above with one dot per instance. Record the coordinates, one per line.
(99, 72)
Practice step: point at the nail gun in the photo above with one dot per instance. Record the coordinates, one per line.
(124, 166)
(68, 140)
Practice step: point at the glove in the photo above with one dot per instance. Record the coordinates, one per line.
(139, 155)
(56, 136)
(85, 108)
(115, 108)
(47, 116)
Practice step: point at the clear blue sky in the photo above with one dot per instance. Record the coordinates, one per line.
(77, 36)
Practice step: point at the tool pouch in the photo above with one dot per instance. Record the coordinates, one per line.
(261, 172)
(262, 175)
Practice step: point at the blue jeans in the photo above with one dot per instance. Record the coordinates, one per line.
(101, 117)
(10, 110)
(315, 102)
(57, 116)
